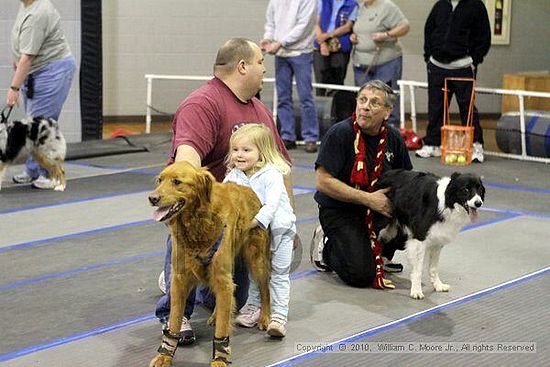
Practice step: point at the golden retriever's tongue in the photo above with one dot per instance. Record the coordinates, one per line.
(160, 213)
(473, 215)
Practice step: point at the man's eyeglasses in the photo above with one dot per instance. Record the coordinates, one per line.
(375, 103)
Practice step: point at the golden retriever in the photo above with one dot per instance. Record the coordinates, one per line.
(202, 214)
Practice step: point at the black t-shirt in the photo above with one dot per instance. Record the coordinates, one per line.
(337, 157)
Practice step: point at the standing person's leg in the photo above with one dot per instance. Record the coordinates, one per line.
(249, 315)
(320, 71)
(390, 73)
(285, 112)
(336, 69)
(436, 79)
(347, 250)
(302, 67)
(341, 68)
(360, 74)
(463, 92)
(51, 88)
(281, 257)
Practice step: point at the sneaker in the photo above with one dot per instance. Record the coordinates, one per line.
(22, 178)
(187, 335)
(44, 183)
(162, 283)
(316, 250)
(248, 316)
(391, 267)
(428, 151)
(277, 327)
(477, 153)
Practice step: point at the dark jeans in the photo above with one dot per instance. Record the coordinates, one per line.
(330, 69)
(348, 249)
(462, 90)
(240, 277)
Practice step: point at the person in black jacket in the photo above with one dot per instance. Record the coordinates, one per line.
(457, 36)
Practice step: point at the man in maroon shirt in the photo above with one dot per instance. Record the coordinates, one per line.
(202, 126)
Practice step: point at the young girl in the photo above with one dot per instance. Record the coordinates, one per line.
(255, 161)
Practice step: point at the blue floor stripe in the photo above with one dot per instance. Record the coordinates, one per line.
(72, 338)
(81, 270)
(105, 329)
(419, 315)
(74, 235)
(69, 202)
(537, 190)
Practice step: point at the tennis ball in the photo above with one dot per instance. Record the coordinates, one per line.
(450, 158)
(461, 159)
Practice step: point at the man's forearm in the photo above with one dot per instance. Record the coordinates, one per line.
(188, 154)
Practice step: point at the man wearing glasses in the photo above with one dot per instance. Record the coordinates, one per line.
(353, 154)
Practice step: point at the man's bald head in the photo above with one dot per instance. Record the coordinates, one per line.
(233, 51)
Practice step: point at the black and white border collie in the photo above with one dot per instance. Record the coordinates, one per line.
(428, 212)
(39, 137)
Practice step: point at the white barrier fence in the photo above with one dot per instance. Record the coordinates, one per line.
(404, 85)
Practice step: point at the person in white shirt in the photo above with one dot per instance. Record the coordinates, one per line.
(289, 34)
(255, 161)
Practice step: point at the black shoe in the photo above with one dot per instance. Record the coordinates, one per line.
(311, 147)
(289, 144)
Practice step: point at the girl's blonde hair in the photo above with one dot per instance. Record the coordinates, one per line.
(261, 136)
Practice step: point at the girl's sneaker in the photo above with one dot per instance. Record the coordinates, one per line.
(248, 316)
(277, 327)
(22, 178)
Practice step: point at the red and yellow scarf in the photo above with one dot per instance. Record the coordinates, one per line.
(363, 180)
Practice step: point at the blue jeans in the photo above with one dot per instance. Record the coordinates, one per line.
(204, 296)
(51, 88)
(389, 73)
(301, 68)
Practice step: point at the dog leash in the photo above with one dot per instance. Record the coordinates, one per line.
(4, 116)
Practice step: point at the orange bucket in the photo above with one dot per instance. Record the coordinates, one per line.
(457, 141)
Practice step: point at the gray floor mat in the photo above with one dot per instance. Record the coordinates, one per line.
(100, 311)
(479, 330)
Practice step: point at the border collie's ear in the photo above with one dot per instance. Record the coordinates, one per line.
(455, 175)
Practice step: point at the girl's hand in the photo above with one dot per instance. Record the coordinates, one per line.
(253, 224)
